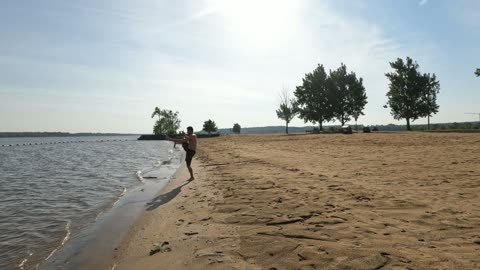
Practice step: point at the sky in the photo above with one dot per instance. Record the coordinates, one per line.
(103, 66)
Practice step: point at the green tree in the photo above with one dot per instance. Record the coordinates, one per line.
(432, 88)
(477, 72)
(236, 128)
(411, 94)
(210, 126)
(347, 94)
(314, 102)
(358, 98)
(167, 123)
(287, 109)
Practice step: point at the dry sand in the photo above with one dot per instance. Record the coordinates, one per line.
(361, 201)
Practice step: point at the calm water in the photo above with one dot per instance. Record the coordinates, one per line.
(52, 188)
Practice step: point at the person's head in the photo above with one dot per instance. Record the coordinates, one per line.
(190, 130)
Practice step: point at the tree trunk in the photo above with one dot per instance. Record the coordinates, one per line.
(408, 124)
(428, 126)
(286, 127)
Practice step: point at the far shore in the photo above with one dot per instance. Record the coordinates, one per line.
(406, 200)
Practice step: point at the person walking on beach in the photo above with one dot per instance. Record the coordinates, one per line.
(189, 143)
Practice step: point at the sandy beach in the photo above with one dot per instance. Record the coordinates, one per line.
(320, 201)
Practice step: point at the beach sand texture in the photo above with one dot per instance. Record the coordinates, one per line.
(329, 201)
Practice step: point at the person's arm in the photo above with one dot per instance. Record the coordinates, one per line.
(179, 141)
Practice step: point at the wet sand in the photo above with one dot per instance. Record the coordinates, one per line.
(361, 201)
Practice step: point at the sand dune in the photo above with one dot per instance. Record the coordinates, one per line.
(361, 201)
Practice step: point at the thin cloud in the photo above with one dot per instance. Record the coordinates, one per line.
(423, 2)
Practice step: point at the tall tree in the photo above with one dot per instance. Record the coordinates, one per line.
(167, 122)
(287, 109)
(411, 94)
(337, 85)
(347, 94)
(432, 88)
(477, 72)
(358, 97)
(236, 128)
(313, 98)
(210, 126)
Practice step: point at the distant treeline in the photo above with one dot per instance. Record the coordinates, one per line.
(389, 127)
(450, 126)
(55, 134)
(269, 129)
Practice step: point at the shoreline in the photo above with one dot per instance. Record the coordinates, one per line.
(93, 246)
(195, 240)
(363, 201)
(158, 225)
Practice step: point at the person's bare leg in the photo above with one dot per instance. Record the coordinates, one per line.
(191, 173)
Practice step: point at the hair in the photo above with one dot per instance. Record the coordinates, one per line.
(190, 129)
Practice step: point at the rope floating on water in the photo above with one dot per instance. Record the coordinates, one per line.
(62, 142)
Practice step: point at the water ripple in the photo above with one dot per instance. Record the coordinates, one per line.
(53, 187)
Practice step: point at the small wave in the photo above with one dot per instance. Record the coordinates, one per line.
(51, 254)
(123, 192)
(65, 239)
(155, 165)
(22, 264)
(121, 195)
(24, 261)
(98, 215)
(67, 236)
(140, 176)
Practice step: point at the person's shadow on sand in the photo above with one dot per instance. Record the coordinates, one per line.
(165, 198)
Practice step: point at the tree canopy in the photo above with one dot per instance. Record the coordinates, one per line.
(287, 109)
(236, 128)
(348, 94)
(167, 123)
(312, 97)
(324, 97)
(210, 126)
(477, 72)
(411, 95)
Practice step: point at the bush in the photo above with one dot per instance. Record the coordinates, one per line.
(346, 130)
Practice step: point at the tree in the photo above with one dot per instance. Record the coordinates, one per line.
(347, 94)
(287, 110)
(358, 98)
(313, 99)
(477, 72)
(236, 128)
(209, 126)
(167, 122)
(430, 95)
(411, 94)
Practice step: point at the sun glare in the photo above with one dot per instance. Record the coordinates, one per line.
(257, 23)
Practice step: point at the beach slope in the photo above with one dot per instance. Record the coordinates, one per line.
(328, 201)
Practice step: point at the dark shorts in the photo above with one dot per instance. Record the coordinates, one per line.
(188, 158)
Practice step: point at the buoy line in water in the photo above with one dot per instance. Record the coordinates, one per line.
(60, 142)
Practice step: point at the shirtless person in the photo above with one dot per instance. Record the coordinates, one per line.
(189, 143)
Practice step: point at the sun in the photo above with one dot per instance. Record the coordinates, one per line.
(260, 23)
